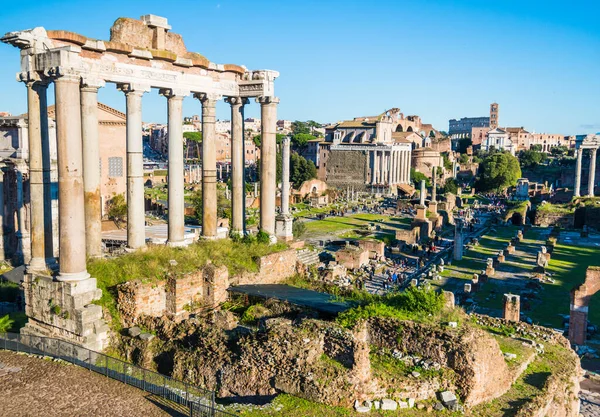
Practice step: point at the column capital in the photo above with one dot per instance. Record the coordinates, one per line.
(91, 84)
(267, 100)
(207, 97)
(177, 93)
(32, 77)
(237, 101)
(63, 74)
(133, 88)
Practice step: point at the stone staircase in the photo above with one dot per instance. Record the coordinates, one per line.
(308, 257)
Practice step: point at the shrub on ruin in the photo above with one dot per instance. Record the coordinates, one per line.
(5, 323)
(418, 300)
(262, 237)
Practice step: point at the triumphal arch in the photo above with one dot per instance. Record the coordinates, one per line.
(140, 55)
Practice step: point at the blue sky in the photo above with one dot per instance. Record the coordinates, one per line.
(340, 59)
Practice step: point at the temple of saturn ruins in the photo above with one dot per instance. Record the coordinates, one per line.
(140, 55)
(591, 143)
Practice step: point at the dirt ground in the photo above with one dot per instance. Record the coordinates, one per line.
(32, 386)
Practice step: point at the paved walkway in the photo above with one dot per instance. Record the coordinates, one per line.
(590, 404)
(32, 386)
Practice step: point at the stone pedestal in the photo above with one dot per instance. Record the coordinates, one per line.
(501, 258)
(512, 307)
(64, 310)
(510, 249)
(489, 271)
(283, 227)
(421, 221)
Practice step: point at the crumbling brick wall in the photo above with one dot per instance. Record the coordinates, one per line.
(580, 298)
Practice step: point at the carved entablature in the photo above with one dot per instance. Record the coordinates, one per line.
(258, 83)
(141, 52)
(588, 142)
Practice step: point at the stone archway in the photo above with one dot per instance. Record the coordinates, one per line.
(399, 128)
(410, 129)
(580, 299)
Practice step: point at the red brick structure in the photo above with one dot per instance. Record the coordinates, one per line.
(352, 257)
(376, 248)
(580, 298)
(512, 307)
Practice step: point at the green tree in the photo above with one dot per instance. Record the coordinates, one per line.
(195, 136)
(499, 171)
(559, 151)
(301, 169)
(301, 139)
(416, 177)
(531, 158)
(464, 159)
(117, 208)
(451, 186)
(299, 127)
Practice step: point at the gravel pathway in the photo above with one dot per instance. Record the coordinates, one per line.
(34, 387)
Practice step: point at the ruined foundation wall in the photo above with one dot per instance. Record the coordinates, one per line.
(482, 373)
(272, 269)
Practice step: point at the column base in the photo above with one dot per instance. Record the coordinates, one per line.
(37, 265)
(283, 227)
(178, 244)
(131, 250)
(72, 276)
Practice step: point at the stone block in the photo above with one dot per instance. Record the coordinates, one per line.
(447, 397)
(134, 331)
(389, 405)
(490, 271)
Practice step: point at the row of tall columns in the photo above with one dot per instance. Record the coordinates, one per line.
(592, 173)
(391, 166)
(79, 169)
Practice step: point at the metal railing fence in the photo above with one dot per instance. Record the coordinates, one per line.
(199, 401)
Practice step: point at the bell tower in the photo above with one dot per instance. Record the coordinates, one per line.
(494, 115)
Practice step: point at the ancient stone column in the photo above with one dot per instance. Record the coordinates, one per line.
(458, 241)
(35, 88)
(374, 168)
(434, 188)
(91, 167)
(423, 193)
(268, 163)
(578, 173)
(2, 256)
(209, 165)
(390, 167)
(136, 219)
(70, 181)
(237, 163)
(592, 177)
(283, 222)
(176, 165)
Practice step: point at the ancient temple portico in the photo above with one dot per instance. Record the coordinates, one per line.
(590, 143)
(140, 56)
